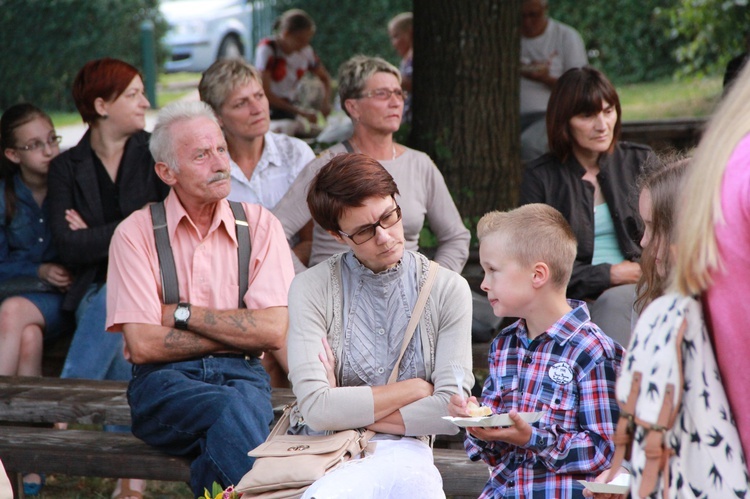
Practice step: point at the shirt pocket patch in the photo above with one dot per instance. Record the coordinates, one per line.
(559, 402)
(508, 390)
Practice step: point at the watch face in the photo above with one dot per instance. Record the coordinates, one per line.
(182, 314)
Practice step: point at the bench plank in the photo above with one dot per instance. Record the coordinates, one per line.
(53, 400)
(461, 476)
(113, 455)
(87, 453)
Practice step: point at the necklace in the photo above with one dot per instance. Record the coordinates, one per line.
(359, 149)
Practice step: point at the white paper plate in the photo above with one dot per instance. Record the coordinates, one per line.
(606, 488)
(494, 420)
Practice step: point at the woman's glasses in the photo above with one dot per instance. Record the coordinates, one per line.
(386, 221)
(385, 94)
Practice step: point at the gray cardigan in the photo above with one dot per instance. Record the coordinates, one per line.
(315, 309)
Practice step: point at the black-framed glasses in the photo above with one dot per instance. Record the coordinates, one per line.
(385, 94)
(38, 144)
(365, 234)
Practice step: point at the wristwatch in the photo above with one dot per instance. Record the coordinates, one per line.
(182, 315)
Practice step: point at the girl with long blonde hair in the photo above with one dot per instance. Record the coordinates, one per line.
(713, 237)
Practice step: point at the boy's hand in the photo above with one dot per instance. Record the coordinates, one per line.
(607, 476)
(519, 434)
(457, 406)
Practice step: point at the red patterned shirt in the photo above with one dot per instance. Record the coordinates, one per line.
(568, 372)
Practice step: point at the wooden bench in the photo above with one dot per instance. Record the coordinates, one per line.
(81, 452)
(668, 133)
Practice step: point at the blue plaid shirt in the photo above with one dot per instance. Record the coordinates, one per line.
(568, 372)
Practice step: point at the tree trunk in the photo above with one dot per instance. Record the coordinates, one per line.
(466, 81)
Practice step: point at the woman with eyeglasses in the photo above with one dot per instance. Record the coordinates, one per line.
(370, 91)
(347, 323)
(94, 186)
(32, 279)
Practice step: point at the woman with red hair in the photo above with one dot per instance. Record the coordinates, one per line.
(92, 187)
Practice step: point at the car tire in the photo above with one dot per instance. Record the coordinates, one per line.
(231, 48)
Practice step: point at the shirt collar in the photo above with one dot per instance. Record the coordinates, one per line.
(271, 156)
(223, 216)
(562, 330)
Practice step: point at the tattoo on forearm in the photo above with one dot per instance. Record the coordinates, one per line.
(209, 318)
(182, 341)
(242, 320)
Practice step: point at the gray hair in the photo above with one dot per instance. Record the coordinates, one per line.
(223, 77)
(401, 22)
(354, 73)
(161, 143)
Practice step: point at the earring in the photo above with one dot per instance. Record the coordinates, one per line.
(105, 116)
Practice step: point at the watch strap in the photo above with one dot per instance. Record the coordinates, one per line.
(182, 324)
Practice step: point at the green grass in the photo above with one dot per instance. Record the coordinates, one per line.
(69, 487)
(652, 100)
(61, 119)
(669, 99)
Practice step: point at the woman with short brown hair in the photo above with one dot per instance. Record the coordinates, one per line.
(348, 318)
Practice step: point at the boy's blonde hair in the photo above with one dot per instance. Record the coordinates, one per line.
(534, 233)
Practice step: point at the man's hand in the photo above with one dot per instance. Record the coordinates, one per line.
(539, 70)
(518, 434)
(242, 329)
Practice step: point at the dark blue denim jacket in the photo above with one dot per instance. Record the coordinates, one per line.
(27, 241)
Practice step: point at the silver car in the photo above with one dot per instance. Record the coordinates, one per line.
(201, 31)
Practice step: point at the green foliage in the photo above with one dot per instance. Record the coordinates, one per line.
(45, 43)
(709, 33)
(628, 40)
(347, 28)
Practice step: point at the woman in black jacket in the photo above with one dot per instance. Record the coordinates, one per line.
(92, 188)
(590, 177)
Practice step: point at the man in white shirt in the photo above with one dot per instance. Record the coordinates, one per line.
(548, 49)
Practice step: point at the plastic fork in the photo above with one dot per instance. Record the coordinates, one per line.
(458, 373)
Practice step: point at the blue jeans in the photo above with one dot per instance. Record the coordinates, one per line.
(214, 409)
(94, 353)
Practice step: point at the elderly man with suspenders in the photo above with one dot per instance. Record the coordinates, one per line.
(198, 286)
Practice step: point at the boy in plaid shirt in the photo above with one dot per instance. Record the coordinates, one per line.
(553, 360)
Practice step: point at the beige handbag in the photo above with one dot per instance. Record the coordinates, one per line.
(286, 465)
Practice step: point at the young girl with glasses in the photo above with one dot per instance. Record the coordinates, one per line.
(32, 280)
